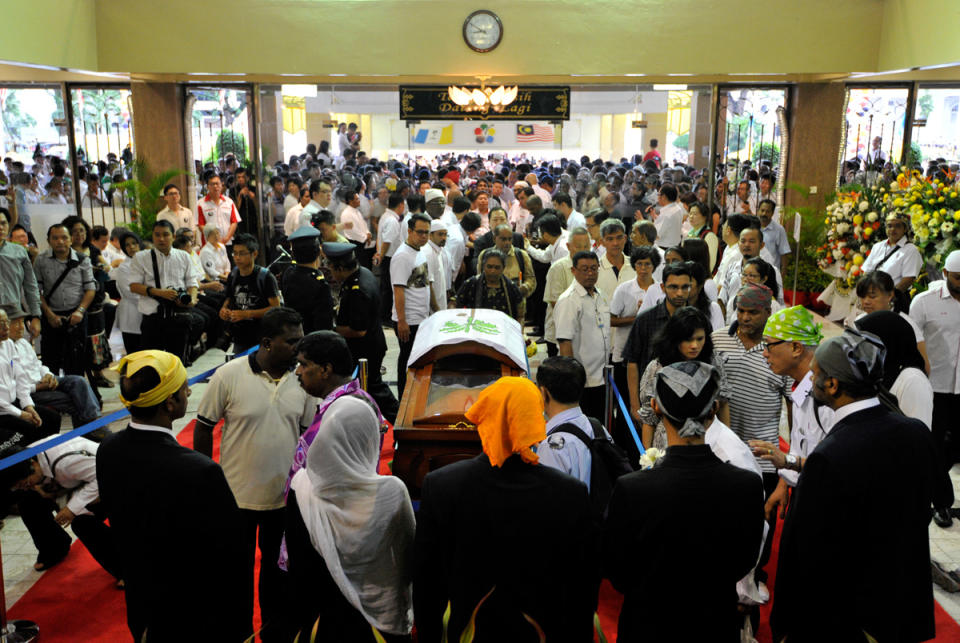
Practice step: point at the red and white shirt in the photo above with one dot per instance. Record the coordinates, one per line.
(222, 214)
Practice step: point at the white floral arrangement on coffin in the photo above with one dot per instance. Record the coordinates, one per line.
(650, 457)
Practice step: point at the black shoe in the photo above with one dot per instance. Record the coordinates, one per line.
(942, 517)
(101, 382)
(943, 578)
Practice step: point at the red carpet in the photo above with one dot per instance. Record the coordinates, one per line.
(76, 600)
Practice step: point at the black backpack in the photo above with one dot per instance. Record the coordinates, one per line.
(607, 462)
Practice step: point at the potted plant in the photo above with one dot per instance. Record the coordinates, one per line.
(145, 196)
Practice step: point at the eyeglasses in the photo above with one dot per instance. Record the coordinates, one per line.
(765, 345)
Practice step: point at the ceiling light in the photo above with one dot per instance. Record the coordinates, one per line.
(302, 91)
(668, 87)
(483, 98)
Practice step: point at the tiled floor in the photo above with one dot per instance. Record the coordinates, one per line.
(19, 554)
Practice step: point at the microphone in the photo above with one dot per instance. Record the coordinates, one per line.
(283, 252)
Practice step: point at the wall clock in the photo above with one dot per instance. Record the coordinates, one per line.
(482, 30)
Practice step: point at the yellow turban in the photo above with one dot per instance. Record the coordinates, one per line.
(509, 419)
(168, 366)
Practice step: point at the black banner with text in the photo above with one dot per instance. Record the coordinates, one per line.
(432, 102)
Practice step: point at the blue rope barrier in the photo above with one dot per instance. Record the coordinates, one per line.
(29, 452)
(623, 409)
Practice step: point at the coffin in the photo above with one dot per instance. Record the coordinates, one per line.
(456, 354)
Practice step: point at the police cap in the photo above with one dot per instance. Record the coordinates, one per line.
(304, 232)
(337, 250)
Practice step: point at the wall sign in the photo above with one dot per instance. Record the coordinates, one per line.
(533, 103)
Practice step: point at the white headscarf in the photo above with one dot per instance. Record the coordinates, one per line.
(361, 523)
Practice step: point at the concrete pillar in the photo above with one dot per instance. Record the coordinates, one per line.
(700, 130)
(158, 129)
(816, 115)
(271, 127)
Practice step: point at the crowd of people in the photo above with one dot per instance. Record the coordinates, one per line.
(628, 264)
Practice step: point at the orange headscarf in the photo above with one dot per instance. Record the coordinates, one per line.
(509, 419)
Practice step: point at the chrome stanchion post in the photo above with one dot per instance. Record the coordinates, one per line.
(608, 401)
(19, 631)
(364, 375)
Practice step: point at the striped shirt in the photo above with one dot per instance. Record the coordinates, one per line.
(756, 393)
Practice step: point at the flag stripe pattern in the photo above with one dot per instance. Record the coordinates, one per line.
(534, 134)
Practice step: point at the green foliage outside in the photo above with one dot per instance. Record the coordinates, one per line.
(230, 142)
(813, 233)
(767, 151)
(14, 120)
(146, 196)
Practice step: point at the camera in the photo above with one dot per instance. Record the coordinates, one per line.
(183, 297)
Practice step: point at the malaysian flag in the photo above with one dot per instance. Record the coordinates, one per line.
(534, 134)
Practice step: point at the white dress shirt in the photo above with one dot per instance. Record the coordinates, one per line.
(176, 271)
(669, 224)
(557, 250)
(806, 432)
(914, 395)
(389, 232)
(214, 260)
(584, 320)
(576, 220)
(938, 315)
(73, 465)
(905, 262)
(626, 299)
(608, 281)
(438, 270)
(128, 311)
(15, 384)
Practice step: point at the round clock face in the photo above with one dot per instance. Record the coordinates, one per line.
(482, 30)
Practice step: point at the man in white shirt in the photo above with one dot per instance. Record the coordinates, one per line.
(896, 256)
(790, 337)
(750, 245)
(412, 297)
(670, 219)
(356, 230)
(571, 218)
(68, 394)
(552, 233)
(534, 183)
(291, 221)
(774, 236)
(559, 278)
(20, 419)
(739, 203)
(937, 312)
(219, 209)
(561, 381)
(389, 239)
(615, 268)
(293, 188)
(175, 213)
(264, 411)
(320, 196)
(582, 315)
(166, 293)
(437, 262)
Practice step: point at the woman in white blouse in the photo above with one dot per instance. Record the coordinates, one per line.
(903, 364)
(896, 256)
(876, 292)
(128, 316)
(213, 255)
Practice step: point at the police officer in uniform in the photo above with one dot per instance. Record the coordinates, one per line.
(304, 287)
(358, 320)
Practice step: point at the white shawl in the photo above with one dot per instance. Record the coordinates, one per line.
(362, 524)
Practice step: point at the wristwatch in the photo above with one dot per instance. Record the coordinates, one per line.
(793, 462)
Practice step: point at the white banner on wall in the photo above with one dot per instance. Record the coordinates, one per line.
(480, 135)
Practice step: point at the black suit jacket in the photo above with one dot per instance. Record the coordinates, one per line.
(178, 532)
(523, 529)
(677, 539)
(486, 241)
(855, 555)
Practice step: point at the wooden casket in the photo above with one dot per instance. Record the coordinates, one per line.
(456, 354)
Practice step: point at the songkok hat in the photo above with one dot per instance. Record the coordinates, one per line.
(952, 264)
(168, 367)
(854, 358)
(436, 225)
(433, 193)
(794, 324)
(685, 392)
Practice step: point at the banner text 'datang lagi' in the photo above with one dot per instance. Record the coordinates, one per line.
(532, 103)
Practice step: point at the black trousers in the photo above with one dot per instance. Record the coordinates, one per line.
(405, 348)
(98, 538)
(770, 482)
(946, 410)
(386, 290)
(264, 529)
(50, 425)
(620, 432)
(536, 307)
(50, 539)
(165, 334)
(364, 255)
(379, 390)
(63, 347)
(131, 342)
(592, 403)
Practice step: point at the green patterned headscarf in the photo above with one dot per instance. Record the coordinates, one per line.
(794, 324)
